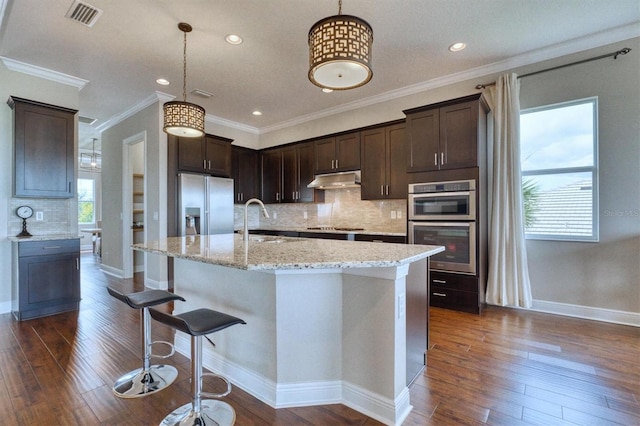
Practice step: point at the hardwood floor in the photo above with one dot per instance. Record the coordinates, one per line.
(505, 367)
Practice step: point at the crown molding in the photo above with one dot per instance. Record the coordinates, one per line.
(555, 51)
(40, 72)
(134, 109)
(232, 124)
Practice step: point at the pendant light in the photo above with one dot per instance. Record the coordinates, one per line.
(340, 52)
(94, 156)
(182, 118)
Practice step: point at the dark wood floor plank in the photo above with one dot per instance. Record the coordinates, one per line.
(504, 367)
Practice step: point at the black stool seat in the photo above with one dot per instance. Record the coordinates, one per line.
(150, 378)
(200, 412)
(143, 299)
(197, 322)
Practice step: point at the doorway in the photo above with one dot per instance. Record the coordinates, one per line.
(134, 201)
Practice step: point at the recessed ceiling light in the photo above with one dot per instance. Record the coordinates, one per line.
(233, 39)
(163, 81)
(256, 113)
(327, 90)
(456, 47)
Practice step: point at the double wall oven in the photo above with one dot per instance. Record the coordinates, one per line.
(444, 214)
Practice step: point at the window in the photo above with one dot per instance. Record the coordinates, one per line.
(559, 160)
(86, 201)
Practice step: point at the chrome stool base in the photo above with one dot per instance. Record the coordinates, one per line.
(212, 412)
(138, 383)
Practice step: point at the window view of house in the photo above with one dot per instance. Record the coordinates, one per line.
(86, 201)
(559, 170)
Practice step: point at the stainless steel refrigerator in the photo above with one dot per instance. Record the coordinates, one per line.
(205, 205)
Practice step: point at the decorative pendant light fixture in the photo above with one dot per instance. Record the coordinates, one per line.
(182, 118)
(93, 161)
(340, 52)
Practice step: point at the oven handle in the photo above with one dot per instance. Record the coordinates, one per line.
(440, 194)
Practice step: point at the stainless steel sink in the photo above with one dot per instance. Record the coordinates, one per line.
(263, 239)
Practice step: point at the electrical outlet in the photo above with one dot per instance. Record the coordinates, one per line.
(275, 215)
(305, 215)
(393, 214)
(401, 305)
(399, 214)
(155, 216)
(39, 215)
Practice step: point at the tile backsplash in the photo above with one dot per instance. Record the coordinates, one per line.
(55, 214)
(342, 208)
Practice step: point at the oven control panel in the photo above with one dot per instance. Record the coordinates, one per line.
(450, 186)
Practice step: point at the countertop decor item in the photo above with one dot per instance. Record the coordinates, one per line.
(182, 118)
(340, 52)
(24, 213)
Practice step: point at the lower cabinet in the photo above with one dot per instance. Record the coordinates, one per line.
(455, 291)
(46, 278)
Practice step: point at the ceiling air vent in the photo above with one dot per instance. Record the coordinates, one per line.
(201, 93)
(87, 120)
(83, 13)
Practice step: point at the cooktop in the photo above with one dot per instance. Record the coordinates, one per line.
(331, 228)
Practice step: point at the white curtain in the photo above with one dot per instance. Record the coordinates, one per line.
(508, 279)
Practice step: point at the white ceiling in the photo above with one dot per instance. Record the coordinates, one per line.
(135, 42)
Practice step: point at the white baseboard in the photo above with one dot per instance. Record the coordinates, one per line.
(156, 285)
(118, 273)
(302, 394)
(587, 312)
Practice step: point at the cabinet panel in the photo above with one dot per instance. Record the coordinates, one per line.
(458, 135)
(348, 152)
(397, 181)
(46, 278)
(325, 154)
(209, 154)
(191, 155)
(271, 176)
(217, 154)
(245, 173)
(290, 177)
(423, 141)
(305, 172)
(373, 164)
(44, 150)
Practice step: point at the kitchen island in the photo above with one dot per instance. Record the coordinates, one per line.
(326, 320)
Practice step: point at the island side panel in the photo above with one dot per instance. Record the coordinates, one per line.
(248, 295)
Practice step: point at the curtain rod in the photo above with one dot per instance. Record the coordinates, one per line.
(614, 54)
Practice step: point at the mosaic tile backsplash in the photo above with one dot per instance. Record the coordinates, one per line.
(342, 208)
(55, 216)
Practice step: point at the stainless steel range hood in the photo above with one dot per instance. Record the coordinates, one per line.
(336, 180)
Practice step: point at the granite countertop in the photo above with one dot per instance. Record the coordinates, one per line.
(330, 230)
(276, 253)
(47, 237)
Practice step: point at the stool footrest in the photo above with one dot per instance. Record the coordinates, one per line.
(173, 349)
(216, 395)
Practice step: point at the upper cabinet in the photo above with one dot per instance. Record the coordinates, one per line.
(286, 172)
(208, 154)
(44, 149)
(445, 135)
(337, 153)
(244, 167)
(384, 173)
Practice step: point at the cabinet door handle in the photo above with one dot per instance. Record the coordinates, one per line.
(277, 196)
(442, 158)
(50, 247)
(204, 164)
(332, 164)
(387, 189)
(440, 281)
(435, 158)
(77, 264)
(440, 294)
(381, 189)
(336, 164)
(209, 164)
(242, 196)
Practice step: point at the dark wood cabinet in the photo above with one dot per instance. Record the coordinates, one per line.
(337, 153)
(455, 291)
(44, 150)
(286, 172)
(46, 278)
(244, 170)
(446, 135)
(383, 163)
(208, 154)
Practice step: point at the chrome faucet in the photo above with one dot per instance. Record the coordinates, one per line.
(245, 231)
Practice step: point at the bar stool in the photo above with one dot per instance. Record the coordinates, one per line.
(197, 323)
(150, 378)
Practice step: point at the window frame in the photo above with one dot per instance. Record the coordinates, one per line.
(93, 200)
(593, 169)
